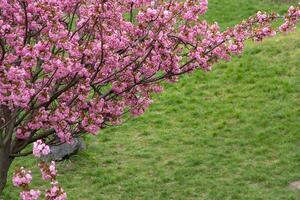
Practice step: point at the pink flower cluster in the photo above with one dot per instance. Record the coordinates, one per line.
(194, 9)
(55, 192)
(30, 195)
(291, 19)
(22, 177)
(40, 148)
(48, 172)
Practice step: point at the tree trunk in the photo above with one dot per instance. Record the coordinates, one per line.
(7, 122)
(5, 162)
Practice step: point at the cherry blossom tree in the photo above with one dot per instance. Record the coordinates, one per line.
(72, 67)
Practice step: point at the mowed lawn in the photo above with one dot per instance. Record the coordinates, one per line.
(233, 133)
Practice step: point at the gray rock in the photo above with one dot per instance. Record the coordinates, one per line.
(62, 151)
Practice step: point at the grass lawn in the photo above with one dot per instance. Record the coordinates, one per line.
(233, 133)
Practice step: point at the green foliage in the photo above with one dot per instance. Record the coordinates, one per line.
(232, 133)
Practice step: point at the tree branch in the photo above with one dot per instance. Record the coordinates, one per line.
(3, 51)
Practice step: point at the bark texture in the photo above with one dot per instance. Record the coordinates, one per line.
(7, 123)
(5, 162)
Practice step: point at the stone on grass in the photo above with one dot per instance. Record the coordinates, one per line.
(65, 150)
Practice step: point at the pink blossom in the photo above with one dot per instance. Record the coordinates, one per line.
(30, 195)
(22, 177)
(40, 148)
(55, 192)
(261, 16)
(48, 172)
(291, 19)
(22, 134)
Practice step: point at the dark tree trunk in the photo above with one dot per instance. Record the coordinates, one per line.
(5, 162)
(7, 122)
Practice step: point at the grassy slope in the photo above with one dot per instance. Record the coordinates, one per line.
(232, 133)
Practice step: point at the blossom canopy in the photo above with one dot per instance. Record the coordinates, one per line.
(77, 66)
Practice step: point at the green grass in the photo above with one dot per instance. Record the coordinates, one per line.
(230, 12)
(232, 133)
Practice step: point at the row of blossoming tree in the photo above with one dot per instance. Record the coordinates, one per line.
(73, 67)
